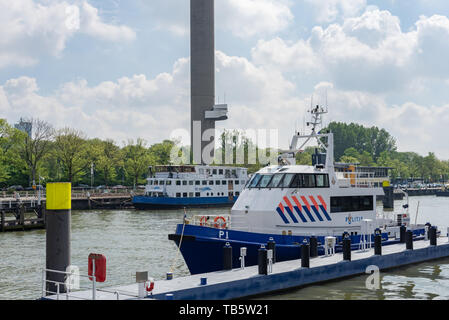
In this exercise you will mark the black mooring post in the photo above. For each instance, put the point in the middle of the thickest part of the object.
(271, 245)
(227, 257)
(409, 240)
(377, 242)
(378, 245)
(263, 260)
(433, 236)
(402, 231)
(2, 222)
(305, 254)
(347, 248)
(58, 225)
(313, 247)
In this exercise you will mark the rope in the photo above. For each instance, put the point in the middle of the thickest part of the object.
(180, 241)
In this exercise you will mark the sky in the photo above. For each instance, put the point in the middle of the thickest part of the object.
(120, 69)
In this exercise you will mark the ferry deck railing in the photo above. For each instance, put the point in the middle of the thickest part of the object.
(359, 179)
(212, 221)
(69, 293)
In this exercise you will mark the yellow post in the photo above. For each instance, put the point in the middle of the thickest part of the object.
(58, 210)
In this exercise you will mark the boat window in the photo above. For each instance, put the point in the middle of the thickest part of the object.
(191, 183)
(309, 181)
(211, 183)
(197, 194)
(178, 182)
(168, 183)
(156, 183)
(184, 183)
(264, 181)
(178, 195)
(237, 182)
(204, 183)
(161, 183)
(220, 171)
(184, 194)
(322, 181)
(217, 182)
(286, 181)
(214, 172)
(275, 181)
(352, 204)
(224, 182)
(255, 180)
(190, 194)
(197, 183)
(150, 182)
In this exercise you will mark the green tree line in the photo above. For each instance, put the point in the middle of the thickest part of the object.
(50, 155)
(66, 154)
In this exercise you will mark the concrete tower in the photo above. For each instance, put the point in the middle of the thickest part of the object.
(204, 112)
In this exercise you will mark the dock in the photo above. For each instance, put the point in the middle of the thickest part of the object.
(244, 283)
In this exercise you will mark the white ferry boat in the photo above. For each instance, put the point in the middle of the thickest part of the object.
(174, 187)
(290, 203)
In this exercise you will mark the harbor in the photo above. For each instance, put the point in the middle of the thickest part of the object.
(278, 155)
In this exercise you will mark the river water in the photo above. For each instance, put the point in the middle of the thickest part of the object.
(138, 241)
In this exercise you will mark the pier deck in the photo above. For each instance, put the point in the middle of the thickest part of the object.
(241, 283)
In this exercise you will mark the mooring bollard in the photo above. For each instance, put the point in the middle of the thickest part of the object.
(59, 205)
(169, 276)
(377, 242)
(402, 231)
(227, 257)
(263, 260)
(427, 229)
(433, 236)
(347, 248)
(271, 245)
(409, 240)
(3, 219)
(313, 247)
(203, 281)
(305, 254)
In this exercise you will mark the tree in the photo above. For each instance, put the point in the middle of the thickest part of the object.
(107, 157)
(70, 149)
(33, 148)
(137, 159)
(372, 140)
(161, 152)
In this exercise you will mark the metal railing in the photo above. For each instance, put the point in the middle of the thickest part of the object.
(212, 221)
(69, 293)
(67, 288)
(358, 179)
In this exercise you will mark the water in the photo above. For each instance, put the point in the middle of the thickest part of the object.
(138, 241)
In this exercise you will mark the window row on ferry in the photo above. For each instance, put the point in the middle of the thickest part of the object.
(290, 180)
(196, 183)
(211, 194)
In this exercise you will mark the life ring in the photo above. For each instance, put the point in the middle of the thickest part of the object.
(150, 285)
(222, 225)
(203, 220)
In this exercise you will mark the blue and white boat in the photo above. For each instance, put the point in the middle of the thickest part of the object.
(192, 186)
(291, 203)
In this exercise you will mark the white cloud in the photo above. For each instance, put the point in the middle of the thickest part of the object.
(248, 18)
(30, 30)
(329, 10)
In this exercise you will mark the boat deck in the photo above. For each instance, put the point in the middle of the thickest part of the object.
(241, 283)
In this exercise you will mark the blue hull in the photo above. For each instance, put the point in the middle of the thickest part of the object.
(166, 203)
(202, 247)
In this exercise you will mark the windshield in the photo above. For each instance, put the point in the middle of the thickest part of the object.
(263, 183)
